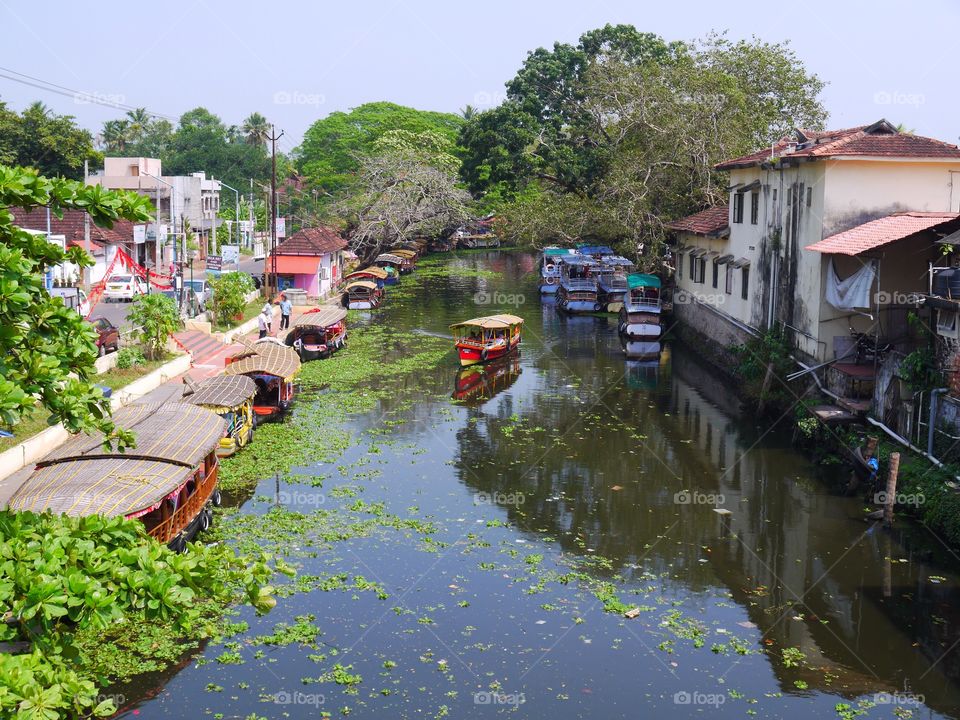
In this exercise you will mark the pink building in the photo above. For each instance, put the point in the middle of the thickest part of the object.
(311, 260)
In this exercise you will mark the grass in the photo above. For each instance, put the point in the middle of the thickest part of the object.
(117, 378)
(251, 310)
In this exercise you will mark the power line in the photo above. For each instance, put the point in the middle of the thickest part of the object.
(84, 96)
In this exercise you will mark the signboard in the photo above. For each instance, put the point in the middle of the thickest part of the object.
(139, 234)
(230, 254)
(214, 262)
(281, 227)
(246, 225)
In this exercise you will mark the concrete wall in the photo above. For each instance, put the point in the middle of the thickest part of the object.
(707, 328)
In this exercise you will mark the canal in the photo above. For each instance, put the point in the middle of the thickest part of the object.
(467, 545)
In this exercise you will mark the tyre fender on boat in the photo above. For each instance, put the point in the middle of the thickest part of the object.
(550, 267)
(483, 355)
(205, 519)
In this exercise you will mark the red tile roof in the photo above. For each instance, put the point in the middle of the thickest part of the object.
(882, 231)
(712, 221)
(71, 226)
(878, 140)
(314, 241)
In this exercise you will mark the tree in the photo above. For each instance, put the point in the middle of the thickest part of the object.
(409, 187)
(51, 144)
(229, 295)
(138, 121)
(155, 318)
(256, 129)
(47, 351)
(116, 135)
(333, 148)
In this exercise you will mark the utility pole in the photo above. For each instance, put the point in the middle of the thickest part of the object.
(273, 209)
(86, 236)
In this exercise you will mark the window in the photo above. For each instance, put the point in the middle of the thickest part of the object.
(745, 283)
(947, 323)
(693, 262)
(754, 207)
(774, 197)
(738, 207)
(809, 197)
(729, 281)
(679, 266)
(716, 273)
(699, 269)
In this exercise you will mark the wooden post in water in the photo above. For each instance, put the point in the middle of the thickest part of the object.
(891, 497)
(765, 388)
(871, 447)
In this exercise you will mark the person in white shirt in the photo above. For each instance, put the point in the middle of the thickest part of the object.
(264, 321)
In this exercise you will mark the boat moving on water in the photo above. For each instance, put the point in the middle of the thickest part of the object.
(230, 397)
(272, 367)
(318, 333)
(168, 481)
(639, 317)
(577, 292)
(486, 338)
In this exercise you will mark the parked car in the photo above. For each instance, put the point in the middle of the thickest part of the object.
(124, 287)
(108, 336)
(191, 303)
(202, 289)
(72, 297)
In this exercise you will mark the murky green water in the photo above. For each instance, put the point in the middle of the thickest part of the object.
(560, 483)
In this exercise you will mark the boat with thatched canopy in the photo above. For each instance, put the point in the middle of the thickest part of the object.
(393, 264)
(409, 257)
(230, 397)
(363, 295)
(486, 338)
(272, 367)
(373, 273)
(318, 333)
(168, 482)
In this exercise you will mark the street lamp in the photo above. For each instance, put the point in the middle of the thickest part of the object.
(236, 209)
(173, 225)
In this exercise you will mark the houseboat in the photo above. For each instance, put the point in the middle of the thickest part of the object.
(612, 282)
(409, 258)
(363, 295)
(550, 268)
(272, 367)
(230, 397)
(374, 273)
(577, 292)
(168, 482)
(478, 241)
(394, 265)
(597, 252)
(486, 338)
(639, 317)
(318, 333)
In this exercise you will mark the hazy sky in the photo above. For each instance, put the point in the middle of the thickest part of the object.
(298, 61)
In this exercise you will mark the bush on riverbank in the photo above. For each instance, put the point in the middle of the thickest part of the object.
(61, 575)
(762, 366)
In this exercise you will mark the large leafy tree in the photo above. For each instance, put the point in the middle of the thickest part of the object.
(333, 148)
(41, 139)
(47, 351)
(256, 129)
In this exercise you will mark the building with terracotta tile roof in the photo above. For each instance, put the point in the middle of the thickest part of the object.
(310, 260)
(807, 214)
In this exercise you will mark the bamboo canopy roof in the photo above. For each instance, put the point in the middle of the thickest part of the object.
(81, 477)
(491, 322)
(373, 271)
(321, 317)
(409, 254)
(362, 284)
(390, 258)
(267, 359)
(223, 391)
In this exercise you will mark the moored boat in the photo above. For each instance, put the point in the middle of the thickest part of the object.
(486, 338)
(363, 295)
(168, 482)
(612, 282)
(394, 265)
(577, 292)
(272, 367)
(639, 317)
(318, 333)
(550, 269)
(230, 397)
(409, 257)
(373, 273)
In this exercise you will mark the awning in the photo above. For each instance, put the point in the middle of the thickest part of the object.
(294, 265)
(723, 259)
(699, 252)
(741, 263)
(755, 185)
(734, 187)
(883, 231)
(713, 255)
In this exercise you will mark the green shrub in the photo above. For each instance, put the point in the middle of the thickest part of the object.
(154, 318)
(229, 295)
(130, 356)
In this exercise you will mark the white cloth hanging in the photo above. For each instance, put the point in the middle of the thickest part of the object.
(854, 292)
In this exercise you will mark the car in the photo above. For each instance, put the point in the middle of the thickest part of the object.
(125, 286)
(202, 289)
(108, 336)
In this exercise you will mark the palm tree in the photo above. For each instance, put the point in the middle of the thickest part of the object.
(116, 135)
(467, 112)
(256, 129)
(139, 121)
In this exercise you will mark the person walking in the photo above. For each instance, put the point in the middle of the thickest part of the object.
(265, 320)
(286, 307)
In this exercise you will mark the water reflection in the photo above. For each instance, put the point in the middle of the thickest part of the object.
(479, 383)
